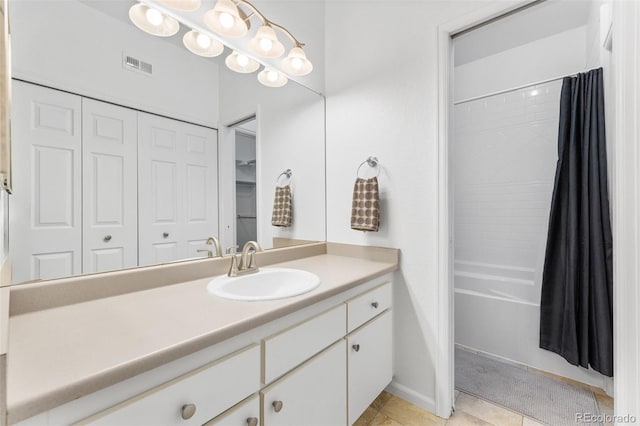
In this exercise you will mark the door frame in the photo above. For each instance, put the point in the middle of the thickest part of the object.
(626, 209)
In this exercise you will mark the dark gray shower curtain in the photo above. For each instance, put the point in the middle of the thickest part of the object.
(576, 309)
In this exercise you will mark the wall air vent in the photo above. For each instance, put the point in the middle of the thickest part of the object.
(134, 64)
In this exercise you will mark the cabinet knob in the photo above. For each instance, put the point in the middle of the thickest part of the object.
(356, 347)
(165, 234)
(277, 406)
(252, 421)
(107, 238)
(188, 411)
(375, 305)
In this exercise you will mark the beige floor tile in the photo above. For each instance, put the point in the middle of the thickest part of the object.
(366, 417)
(605, 402)
(486, 411)
(381, 400)
(460, 418)
(530, 422)
(382, 420)
(408, 414)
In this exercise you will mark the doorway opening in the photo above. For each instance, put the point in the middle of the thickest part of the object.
(246, 182)
(504, 84)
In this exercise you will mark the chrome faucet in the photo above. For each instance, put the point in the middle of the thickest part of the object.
(247, 263)
(212, 241)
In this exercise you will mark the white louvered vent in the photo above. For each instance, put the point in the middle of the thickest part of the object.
(134, 64)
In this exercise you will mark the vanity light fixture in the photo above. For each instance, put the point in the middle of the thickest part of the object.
(152, 21)
(227, 19)
(202, 45)
(266, 43)
(239, 62)
(296, 62)
(185, 5)
(272, 78)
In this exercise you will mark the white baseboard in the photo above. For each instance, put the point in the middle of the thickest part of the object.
(412, 396)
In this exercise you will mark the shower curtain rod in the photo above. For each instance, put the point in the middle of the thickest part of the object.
(513, 89)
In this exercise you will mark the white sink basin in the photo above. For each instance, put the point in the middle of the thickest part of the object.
(268, 284)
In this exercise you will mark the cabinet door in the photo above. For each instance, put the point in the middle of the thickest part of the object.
(314, 394)
(370, 363)
(45, 208)
(246, 413)
(110, 187)
(177, 188)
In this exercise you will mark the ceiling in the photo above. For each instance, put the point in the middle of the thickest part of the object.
(539, 21)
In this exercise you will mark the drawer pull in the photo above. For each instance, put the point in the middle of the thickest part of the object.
(188, 411)
(107, 238)
(375, 305)
(356, 347)
(277, 406)
(165, 234)
(252, 421)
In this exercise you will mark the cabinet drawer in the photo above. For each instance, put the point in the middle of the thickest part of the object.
(370, 363)
(247, 413)
(286, 350)
(314, 394)
(366, 306)
(212, 389)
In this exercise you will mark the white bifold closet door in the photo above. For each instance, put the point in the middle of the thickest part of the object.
(45, 208)
(177, 188)
(109, 186)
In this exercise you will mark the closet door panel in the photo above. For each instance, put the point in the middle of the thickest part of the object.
(160, 195)
(110, 229)
(201, 178)
(45, 208)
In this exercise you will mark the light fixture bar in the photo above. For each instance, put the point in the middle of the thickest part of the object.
(268, 22)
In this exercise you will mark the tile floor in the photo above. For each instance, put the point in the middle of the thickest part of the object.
(389, 410)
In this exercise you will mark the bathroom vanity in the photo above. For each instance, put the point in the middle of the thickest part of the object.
(174, 353)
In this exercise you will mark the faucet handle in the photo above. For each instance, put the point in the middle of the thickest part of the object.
(209, 252)
(251, 261)
(233, 269)
(232, 249)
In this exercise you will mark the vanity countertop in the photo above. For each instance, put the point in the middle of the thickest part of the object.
(62, 353)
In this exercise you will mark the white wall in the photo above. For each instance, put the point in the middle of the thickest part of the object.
(381, 82)
(72, 46)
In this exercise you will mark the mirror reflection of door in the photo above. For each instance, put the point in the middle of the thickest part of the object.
(246, 211)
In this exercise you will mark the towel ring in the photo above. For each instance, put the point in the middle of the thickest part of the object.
(371, 162)
(287, 174)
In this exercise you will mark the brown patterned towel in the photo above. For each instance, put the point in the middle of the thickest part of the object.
(365, 209)
(282, 207)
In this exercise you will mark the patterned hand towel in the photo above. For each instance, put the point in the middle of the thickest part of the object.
(365, 209)
(282, 207)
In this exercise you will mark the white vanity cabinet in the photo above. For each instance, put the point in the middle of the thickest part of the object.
(369, 348)
(319, 366)
(192, 399)
(314, 394)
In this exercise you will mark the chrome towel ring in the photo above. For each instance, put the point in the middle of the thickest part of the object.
(371, 162)
(288, 174)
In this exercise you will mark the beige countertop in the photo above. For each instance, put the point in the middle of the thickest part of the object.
(62, 353)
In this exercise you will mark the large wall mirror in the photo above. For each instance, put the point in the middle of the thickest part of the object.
(129, 150)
